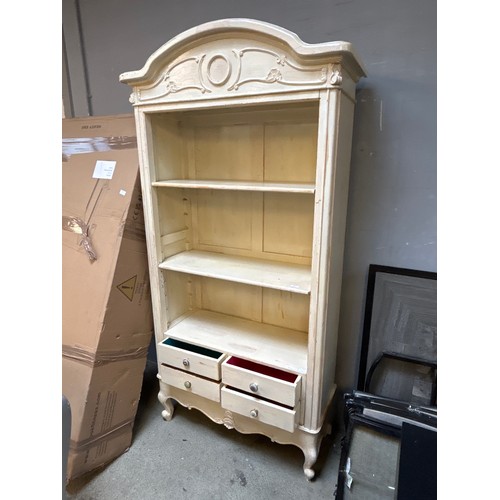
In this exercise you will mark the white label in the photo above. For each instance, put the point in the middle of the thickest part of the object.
(348, 480)
(123, 192)
(348, 477)
(104, 169)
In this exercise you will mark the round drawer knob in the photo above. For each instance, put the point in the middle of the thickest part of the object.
(185, 362)
(254, 413)
(254, 387)
(187, 384)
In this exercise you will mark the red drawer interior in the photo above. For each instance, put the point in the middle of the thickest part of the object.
(264, 370)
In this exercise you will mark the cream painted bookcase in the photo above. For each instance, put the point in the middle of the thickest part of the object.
(245, 138)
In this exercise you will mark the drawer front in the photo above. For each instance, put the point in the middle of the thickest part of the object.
(263, 411)
(191, 383)
(191, 358)
(249, 377)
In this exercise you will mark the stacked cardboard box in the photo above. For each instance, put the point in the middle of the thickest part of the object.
(107, 319)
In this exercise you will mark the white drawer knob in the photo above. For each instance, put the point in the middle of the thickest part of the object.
(254, 387)
(254, 413)
(187, 384)
(185, 362)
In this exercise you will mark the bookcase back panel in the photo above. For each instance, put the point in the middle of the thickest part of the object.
(257, 223)
(288, 224)
(266, 144)
(231, 298)
(186, 293)
(286, 309)
(290, 152)
(225, 218)
(232, 152)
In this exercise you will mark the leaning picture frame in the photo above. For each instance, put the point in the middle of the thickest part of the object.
(398, 357)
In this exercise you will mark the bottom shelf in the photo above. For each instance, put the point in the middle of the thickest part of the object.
(271, 345)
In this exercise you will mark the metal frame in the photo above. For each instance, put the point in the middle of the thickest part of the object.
(382, 415)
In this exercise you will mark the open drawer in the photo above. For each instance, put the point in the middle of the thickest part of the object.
(190, 357)
(262, 381)
(258, 409)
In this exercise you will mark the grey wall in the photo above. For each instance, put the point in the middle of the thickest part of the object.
(392, 198)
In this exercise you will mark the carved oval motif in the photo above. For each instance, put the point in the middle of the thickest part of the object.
(218, 70)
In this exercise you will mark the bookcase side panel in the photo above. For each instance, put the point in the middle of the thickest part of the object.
(321, 255)
(169, 147)
(337, 235)
(152, 227)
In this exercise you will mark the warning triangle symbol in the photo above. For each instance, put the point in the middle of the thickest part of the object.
(128, 287)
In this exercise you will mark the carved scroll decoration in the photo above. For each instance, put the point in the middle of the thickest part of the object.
(217, 69)
(170, 85)
(227, 421)
(274, 75)
(225, 77)
(336, 77)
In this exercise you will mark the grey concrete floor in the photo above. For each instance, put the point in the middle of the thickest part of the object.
(192, 457)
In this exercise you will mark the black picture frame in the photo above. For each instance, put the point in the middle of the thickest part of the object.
(375, 272)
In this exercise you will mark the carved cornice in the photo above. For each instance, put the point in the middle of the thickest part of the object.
(307, 54)
(229, 70)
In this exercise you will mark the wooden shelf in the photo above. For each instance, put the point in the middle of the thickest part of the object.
(278, 187)
(278, 275)
(271, 345)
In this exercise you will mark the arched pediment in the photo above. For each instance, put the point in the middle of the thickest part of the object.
(238, 57)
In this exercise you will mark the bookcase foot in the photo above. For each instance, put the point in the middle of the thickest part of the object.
(168, 412)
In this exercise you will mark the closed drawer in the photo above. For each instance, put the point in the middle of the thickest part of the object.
(190, 357)
(190, 383)
(270, 383)
(258, 409)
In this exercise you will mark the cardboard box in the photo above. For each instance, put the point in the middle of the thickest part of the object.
(107, 319)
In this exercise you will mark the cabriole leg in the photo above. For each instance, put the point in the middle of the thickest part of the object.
(311, 455)
(166, 401)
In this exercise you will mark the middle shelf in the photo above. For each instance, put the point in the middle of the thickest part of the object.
(275, 346)
(251, 271)
(285, 187)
